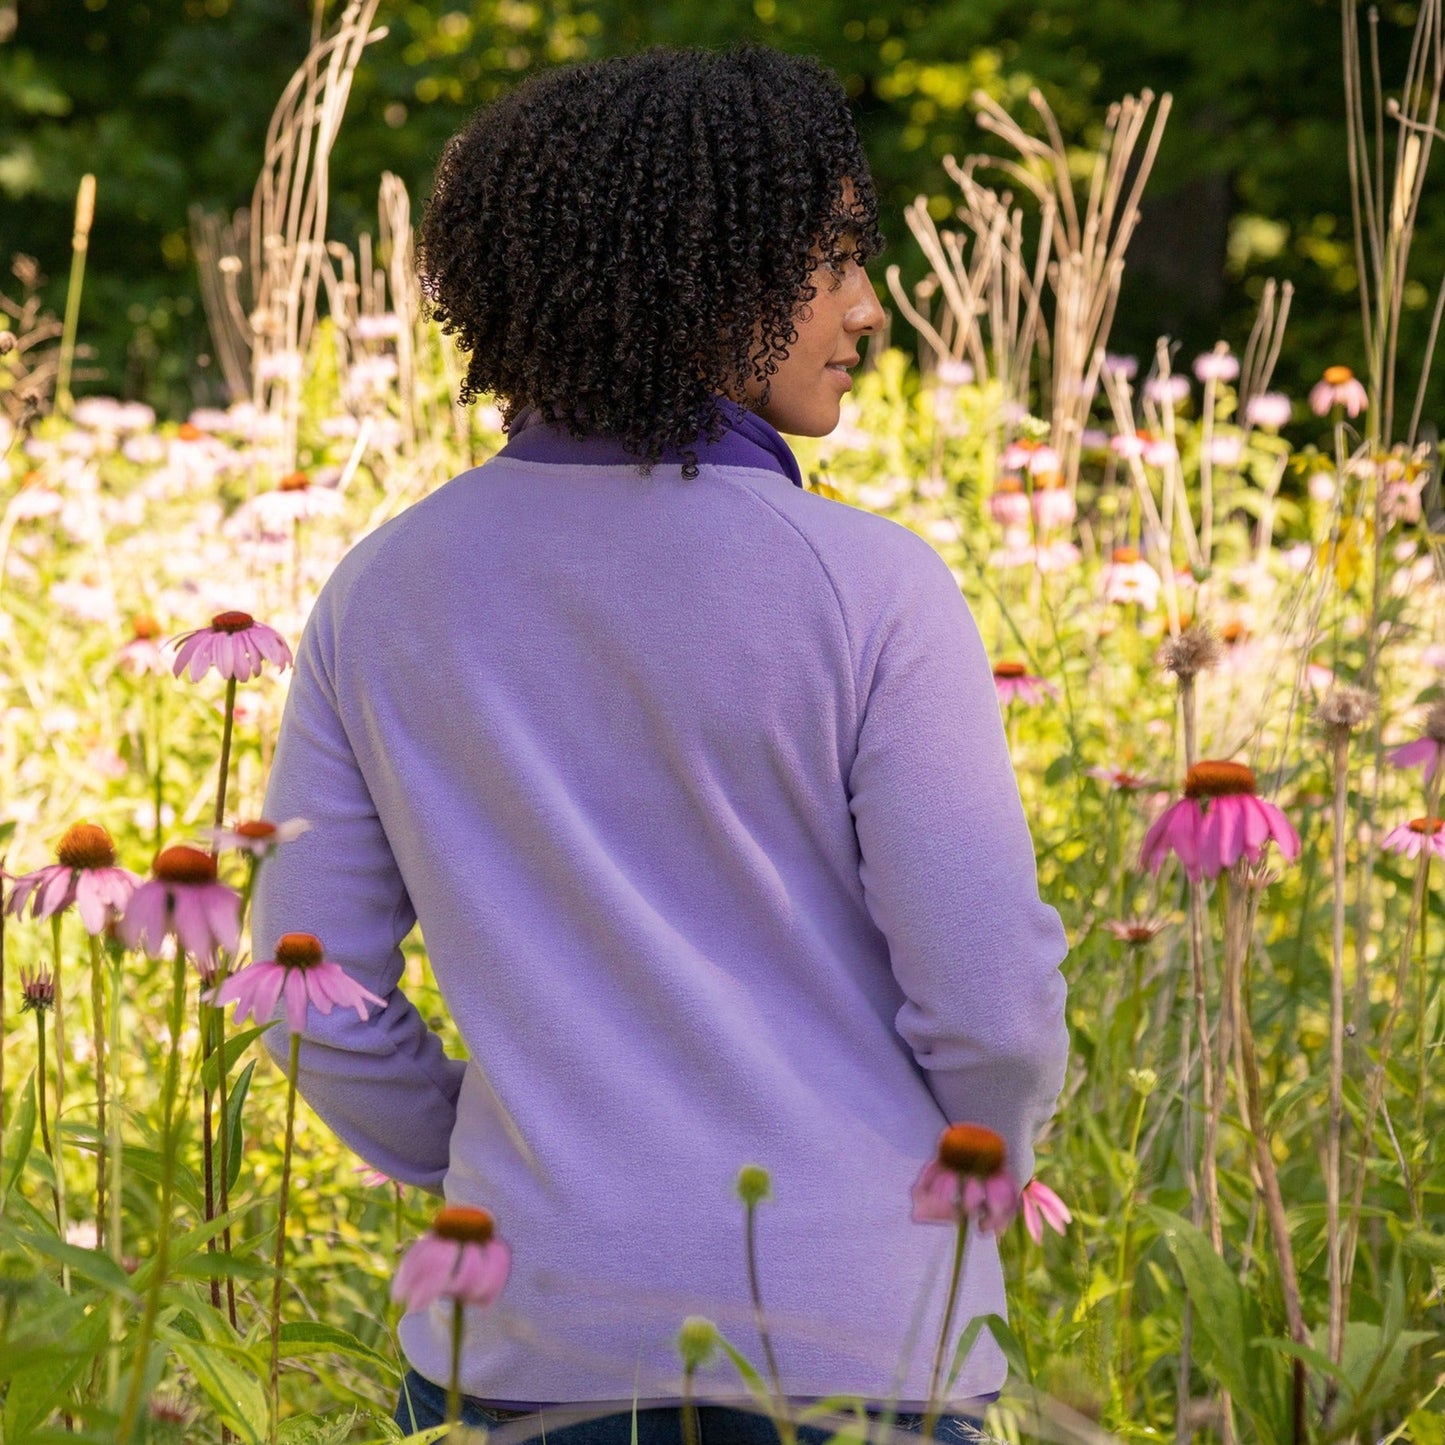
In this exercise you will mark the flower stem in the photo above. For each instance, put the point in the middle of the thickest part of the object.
(1337, 1058)
(225, 764)
(454, 1383)
(787, 1433)
(690, 1433)
(97, 1024)
(207, 1142)
(40, 1099)
(934, 1403)
(113, 1235)
(293, 1063)
(131, 1411)
(222, 1095)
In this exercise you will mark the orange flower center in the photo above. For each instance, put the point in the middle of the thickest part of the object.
(184, 865)
(189, 432)
(1009, 669)
(259, 829)
(1426, 825)
(1139, 933)
(86, 845)
(232, 622)
(463, 1224)
(295, 482)
(971, 1149)
(298, 950)
(1233, 631)
(1338, 375)
(1009, 484)
(1218, 780)
(144, 627)
(1126, 554)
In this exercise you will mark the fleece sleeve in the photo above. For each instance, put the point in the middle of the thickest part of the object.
(383, 1085)
(947, 864)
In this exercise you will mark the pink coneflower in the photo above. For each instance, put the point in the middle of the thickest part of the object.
(257, 839)
(1118, 778)
(1036, 458)
(1167, 390)
(1014, 681)
(1128, 578)
(1129, 444)
(300, 973)
(952, 372)
(372, 1178)
(182, 899)
(1338, 387)
(295, 499)
(1042, 1206)
(967, 1177)
(1218, 821)
(1409, 838)
(461, 1259)
(1270, 409)
(235, 644)
(1008, 505)
(1054, 506)
(85, 875)
(1158, 451)
(1126, 368)
(142, 654)
(1136, 932)
(1426, 751)
(1216, 365)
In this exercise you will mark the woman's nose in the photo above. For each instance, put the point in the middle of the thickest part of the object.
(866, 315)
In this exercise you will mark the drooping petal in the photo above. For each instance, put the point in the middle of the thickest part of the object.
(295, 990)
(1282, 831)
(273, 646)
(223, 914)
(1185, 834)
(144, 923)
(1231, 818)
(480, 1273)
(56, 892)
(186, 647)
(193, 932)
(1033, 1219)
(25, 885)
(1047, 1205)
(423, 1272)
(935, 1195)
(101, 893)
(1158, 841)
(262, 991)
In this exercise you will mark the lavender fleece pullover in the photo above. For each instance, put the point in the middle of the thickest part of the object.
(698, 790)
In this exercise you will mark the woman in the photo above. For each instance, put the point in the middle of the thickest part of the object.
(694, 780)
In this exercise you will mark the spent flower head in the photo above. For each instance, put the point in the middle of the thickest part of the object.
(1345, 708)
(1196, 649)
(257, 838)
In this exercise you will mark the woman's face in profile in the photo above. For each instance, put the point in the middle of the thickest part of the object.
(810, 381)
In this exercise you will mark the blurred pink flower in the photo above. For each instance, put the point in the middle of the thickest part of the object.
(1409, 838)
(142, 654)
(1014, 682)
(1008, 505)
(1216, 365)
(259, 839)
(1118, 778)
(952, 372)
(1126, 368)
(967, 1176)
(1128, 578)
(304, 977)
(183, 899)
(1338, 387)
(1035, 458)
(1217, 822)
(1136, 931)
(235, 644)
(85, 875)
(372, 1178)
(461, 1259)
(1053, 507)
(1426, 751)
(1167, 390)
(1042, 1206)
(1270, 409)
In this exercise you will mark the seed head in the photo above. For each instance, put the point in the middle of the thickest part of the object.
(458, 1222)
(1345, 709)
(300, 950)
(1009, 669)
(1338, 375)
(1195, 650)
(184, 865)
(294, 482)
(971, 1149)
(1429, 826)
(232, 622)
(86, 845)
(1213, 779)
(260, 828)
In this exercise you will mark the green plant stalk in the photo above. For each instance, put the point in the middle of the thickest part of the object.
(113, 1234)
(40, 1099)
(225, 764)
(1124, 1293)
(62, 1218)
(1422, 1004)
(222, 1096)
(454, 1381)
(293, 1064)
(787, 1433)
(691, 1434)
(2, 1025)
(1337, 1057)
(97, 1022)
(130, 1413)
(79, 246)
(930, 1418)
(203, 1023)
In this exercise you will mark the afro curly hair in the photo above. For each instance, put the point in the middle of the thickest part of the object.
(620, 242)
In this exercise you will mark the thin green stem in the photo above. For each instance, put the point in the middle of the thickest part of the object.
(293, 1063)
(787, 1433)
(97, 1024)
(130, 1414)
(690, 1433)
(454, 1382)
(113, 1234)
(227, 727)
(934, 1404)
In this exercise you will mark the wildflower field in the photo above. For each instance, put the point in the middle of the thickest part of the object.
(1217, 615)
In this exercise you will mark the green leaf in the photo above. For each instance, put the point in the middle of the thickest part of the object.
(754, 1381)
(86, 1264)
(310, 1337)
(235, 1135)
(204, 1265)
(235, 1046)
(1008, 1342)
(19, 1137)
(317, 1429)
(961, 1352)
(236, 1393)
(148, 1164)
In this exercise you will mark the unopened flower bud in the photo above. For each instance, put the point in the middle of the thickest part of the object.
(754, 1184)
(696, 1341)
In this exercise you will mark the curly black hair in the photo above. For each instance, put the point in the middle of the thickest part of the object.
(618, 243)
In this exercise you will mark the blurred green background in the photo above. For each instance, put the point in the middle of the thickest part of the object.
(167, 101)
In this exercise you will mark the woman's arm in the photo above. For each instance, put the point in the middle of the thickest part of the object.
(948, 867)
(384, 1086)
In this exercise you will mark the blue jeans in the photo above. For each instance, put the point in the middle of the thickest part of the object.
(423, 1404)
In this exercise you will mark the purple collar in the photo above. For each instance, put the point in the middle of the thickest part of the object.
(748, 442)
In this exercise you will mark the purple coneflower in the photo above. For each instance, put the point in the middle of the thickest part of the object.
(967, 1176)
(461, 1259)
(1124, 781)
(952, 372)
(1217, 365)
(1128, 578)
(142, 654)
(1008, 505)
(300, 973)
(1409, 838)
(258, 838)
(1054, 506)
(183, 899)
(85, 875)
(1014, 681)
(1218, 821)
(1426, 751)
(1167, 390)
(1270, 409)
(1338, 387)
(235, 644)
(1126, 368)
(1042, 1206)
